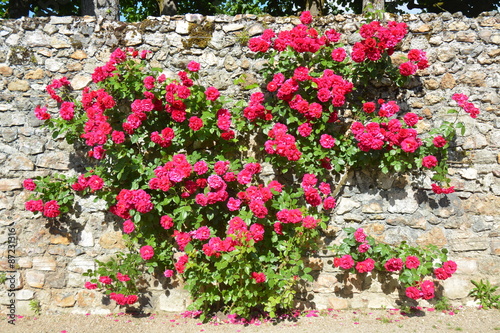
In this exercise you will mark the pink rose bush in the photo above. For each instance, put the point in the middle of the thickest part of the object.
(165, 156)
(360, 253)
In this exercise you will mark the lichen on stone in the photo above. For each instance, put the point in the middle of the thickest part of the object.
(21, 55)
(199, 35)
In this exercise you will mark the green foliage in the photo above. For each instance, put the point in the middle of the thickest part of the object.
(185, 173)
(36, 307)
(3, 278)
(442, 304)
(484, 292)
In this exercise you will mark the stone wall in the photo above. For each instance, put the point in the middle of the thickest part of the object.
(465, 57)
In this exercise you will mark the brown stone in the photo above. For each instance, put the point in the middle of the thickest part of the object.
(448, 81)
(466, 37)
(482, 205)
(60, 239)
(431, 84)
(58, 160)
(112, 240)
(423, 28)
(427, 112)
(19, 85)
(19, 162)
(85, 298)
(35, 75)
(79, 55)
(475, 79)
(10, 184)
(80, 81)
(495, 247)
(494, 53)
(372, 208)
(74, 67)
(35, 279)
(5, 70)
(325, 283)
(338, 303)
(65, 300)
(434, 237)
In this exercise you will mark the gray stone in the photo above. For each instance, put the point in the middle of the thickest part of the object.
(346, 205)
(36, 38)
(182, 27)
(24, 295)
(44, 263)
(175, 301)
(80, 81)
(61, 20)
(57, 160)
(35, 279)
(233, 27)
(81, 265)
(132, 38)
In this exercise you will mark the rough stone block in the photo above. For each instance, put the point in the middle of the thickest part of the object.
(44, 263)
(35, 279)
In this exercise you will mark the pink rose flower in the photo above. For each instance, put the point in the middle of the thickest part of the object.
(147, 252)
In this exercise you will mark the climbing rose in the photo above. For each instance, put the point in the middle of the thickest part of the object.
(450, 267)
(259, 277)
(128, 226)
(105, 280)
(346, 262)
(193, 66)
(306, 17)
(29, 184)
(365, 266)
(168, 273)
(394, 265)
(412, 262)
(212, 94)
(413, 293)
(51, 209)
(147, 252)
(439, 141)
(90, 286)
(429, 161)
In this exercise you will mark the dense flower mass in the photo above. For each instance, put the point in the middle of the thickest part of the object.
(174, 162)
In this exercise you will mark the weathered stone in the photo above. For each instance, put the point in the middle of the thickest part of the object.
(456, 287)
(174, 302)
(232, 27)
(482, 205)
(57, 160)
(182, 27)
(10, 184)
(61, 20)
(495, 246)
(423, 28)
(372, 208)
(81, 265)
(316, 264)
(64, 299)
(435, 236)
(35, 279)
(346, 205)
(466, 266)
(53, 64)
(338, 303)
(79, 55)
(44, 263)
(24, 295)
(80, 81)
(25, 263)
(446, 54)
(112, 240)
(60, 239)
(132, 37)
(447, 81)
(19, 162)
(6, 70)
(431, 84)
(85, 298)
(86, 238)
(19, 85)
(469, 243)
(475, 79)
(37, 74)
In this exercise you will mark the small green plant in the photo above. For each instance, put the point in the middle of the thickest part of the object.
(3, 277)
(484, 293)
(36, 307)
(443, 304)
(385, 320)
